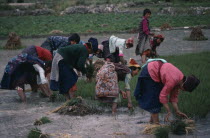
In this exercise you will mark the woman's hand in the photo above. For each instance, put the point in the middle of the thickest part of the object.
(181, 114)
(124, 95)
(166, 119)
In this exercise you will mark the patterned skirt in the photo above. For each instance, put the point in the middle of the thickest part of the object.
(106, 81)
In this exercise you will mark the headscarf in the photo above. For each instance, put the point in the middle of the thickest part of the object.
(190, 83)
(133, 63)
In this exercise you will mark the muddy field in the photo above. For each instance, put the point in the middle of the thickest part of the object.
(16, 119)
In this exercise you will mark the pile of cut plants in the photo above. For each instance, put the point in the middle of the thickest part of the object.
(176, 127)
(196, 35)
(37, 133)
(41, 121)
(78, 107)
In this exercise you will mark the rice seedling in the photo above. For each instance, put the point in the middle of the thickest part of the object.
(45, 120)
(41, 121)
(53, 97)
(34, 133)
(162, 132)
(178, 127)
(42, 95)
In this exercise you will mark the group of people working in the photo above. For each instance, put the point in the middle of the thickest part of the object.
(54, 66)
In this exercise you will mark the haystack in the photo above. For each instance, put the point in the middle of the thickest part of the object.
(13, 41)
(56, 32)
(165, 26)
(197, 34)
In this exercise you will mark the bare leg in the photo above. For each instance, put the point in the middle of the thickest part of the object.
(70, 95)
(143, 59)
(67, 96)
(114, 108)
(34, 88)
(21, 94)
(155, 118)
(45, 89)
(150, 121)
(72, 91)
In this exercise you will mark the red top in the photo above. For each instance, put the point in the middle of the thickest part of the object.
(43, 54)
(170, 76)
(145, 26)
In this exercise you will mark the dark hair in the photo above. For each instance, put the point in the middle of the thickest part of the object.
(48, 64)
(161, 39)
(74, 37)
(155, 43)
(129, 45)
(146, 11)
(89, 46)
(190, 83)
(94, 43)
(134, 68)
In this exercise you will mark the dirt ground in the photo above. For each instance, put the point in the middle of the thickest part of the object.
(16, 119)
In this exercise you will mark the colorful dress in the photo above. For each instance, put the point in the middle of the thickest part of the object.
(20, 71)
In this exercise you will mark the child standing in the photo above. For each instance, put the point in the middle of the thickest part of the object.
(144, 32)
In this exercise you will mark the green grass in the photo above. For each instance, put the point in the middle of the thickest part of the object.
(45, 120)
(196, 103)
(162, 132)
(193, 104)
(90, 23)
(178, 127)
(34, 133)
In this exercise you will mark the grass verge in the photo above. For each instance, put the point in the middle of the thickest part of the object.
(90, 23)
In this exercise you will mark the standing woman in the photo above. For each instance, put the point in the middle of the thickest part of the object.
(157, 81)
